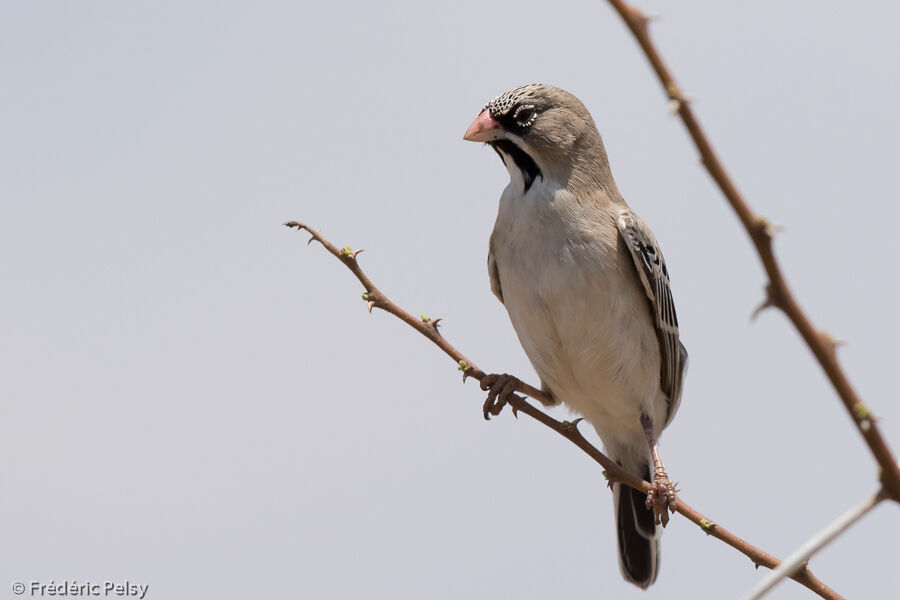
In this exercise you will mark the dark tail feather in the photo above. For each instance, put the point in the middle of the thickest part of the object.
(638, 545)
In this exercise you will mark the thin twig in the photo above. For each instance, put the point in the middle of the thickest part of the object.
(569, 430)
(761, 231)
(817, 542)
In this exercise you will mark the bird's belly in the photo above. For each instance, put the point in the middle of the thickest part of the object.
(585, 329)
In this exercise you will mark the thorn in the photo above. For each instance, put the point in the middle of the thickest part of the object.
(674, 106)
(767, 303)
(636, 15)
(436, 321)
(371, 304)
(465, 368)
(767, 227)
(570, 425)
(515, 411)
(353, 256)
(298, 226)
(652, 16)
(829, 341)
(673, 91)
(756, 566)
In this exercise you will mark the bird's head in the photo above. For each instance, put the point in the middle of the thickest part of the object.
(542, 131)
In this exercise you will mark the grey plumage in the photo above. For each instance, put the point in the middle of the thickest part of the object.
(654, 276)
(587, 291)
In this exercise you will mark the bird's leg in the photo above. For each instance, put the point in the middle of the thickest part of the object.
(662, 491)
(499, 389)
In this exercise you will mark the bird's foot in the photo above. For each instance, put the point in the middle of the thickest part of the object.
(499, 389)
(661, 497)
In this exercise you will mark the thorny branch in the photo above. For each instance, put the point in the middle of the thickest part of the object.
(569, 430)
(761, 231)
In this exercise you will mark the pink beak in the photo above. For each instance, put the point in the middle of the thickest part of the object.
(484, 128)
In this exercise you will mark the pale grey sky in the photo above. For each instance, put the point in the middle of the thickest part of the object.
(195, 400)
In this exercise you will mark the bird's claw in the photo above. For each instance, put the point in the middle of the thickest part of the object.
(661, 497)
(499, 389)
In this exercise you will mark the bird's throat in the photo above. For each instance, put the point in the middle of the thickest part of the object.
(508, 150)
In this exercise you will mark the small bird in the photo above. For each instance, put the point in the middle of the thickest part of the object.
(587, 290)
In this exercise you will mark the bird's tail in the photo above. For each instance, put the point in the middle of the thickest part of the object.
(637, 537)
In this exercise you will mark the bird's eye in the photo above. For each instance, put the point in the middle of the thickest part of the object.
(525, 115)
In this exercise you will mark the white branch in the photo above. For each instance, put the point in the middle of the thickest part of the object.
(795, 561)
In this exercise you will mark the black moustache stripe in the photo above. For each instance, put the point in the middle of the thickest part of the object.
(525, 163)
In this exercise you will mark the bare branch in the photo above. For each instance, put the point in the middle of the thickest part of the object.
(761, 234)
(568, 430)
(796, 560)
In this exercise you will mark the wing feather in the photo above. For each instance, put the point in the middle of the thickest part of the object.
(651, 271)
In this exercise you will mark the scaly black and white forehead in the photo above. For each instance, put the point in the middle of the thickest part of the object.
(503, 103)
